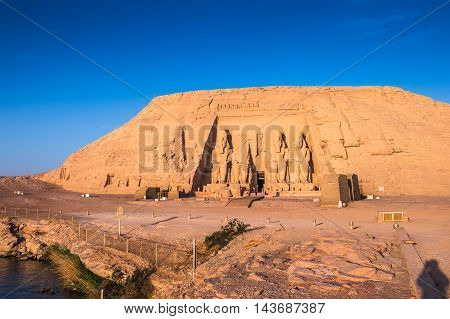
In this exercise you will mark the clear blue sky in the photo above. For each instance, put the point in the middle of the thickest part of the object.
(52, 101)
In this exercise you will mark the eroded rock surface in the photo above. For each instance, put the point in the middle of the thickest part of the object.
(329, 266)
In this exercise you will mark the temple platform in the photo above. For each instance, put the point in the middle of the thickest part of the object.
(302, 193)
(231, 190)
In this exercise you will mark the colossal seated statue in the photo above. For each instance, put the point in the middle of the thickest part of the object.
(305, 164)
(221, 158)
(301, 166)
(278, 159)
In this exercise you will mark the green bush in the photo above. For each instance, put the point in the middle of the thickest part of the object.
(73, 272)
(227, 233)
(85, 283)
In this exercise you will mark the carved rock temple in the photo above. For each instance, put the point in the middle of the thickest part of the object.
(249, 158)
(334, 142)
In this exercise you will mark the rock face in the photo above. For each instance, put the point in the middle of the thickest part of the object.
(395, 141)
(340, 260)
(334, 264)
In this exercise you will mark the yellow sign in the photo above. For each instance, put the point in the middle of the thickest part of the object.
(119, 213)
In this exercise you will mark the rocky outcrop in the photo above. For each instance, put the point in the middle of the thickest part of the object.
(28, 240)
(397, 142)
(19, 240)
(8, 240)
(340, 260)
(335, 265)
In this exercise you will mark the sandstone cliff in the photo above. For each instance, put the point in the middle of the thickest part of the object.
(397, 142)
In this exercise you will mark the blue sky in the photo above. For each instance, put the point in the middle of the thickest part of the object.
(52, 101)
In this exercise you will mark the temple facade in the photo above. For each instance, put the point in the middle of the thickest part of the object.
(275, 141)
(276, 161)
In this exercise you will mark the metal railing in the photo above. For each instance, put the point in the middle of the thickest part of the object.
(156, 253)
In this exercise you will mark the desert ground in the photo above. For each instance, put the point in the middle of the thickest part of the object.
(283, 255)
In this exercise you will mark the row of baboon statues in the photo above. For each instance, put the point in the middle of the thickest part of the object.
(281, 167)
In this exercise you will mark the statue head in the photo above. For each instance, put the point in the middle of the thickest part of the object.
(222, 140)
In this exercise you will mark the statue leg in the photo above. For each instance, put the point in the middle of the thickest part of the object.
(282, 172)
(274, 172)
(304, 173)
(244, 173)
(298, 177)
(223, 173)
(236, 173)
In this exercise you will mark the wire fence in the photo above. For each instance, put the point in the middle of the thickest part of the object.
(156, 253)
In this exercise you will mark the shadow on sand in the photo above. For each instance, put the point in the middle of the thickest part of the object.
(441, 282)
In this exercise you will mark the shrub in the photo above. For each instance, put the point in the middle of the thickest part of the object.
(227, 233)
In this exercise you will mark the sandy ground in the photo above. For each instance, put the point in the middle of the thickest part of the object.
(289, 218)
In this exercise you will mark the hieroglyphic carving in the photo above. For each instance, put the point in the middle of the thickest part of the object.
(237, 106)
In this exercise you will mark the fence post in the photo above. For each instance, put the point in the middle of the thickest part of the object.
(48, 215)
(101, 294)
(79, 231)
(351, 225)
(127, 244)
(37, 213)
(104, 239)
(140, 250)
(156, 255)
(72, 220)
(194, 257)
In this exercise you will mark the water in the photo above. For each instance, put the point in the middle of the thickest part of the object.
(29, 280)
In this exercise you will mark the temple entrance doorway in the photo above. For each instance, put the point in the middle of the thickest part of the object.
(260, 181)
